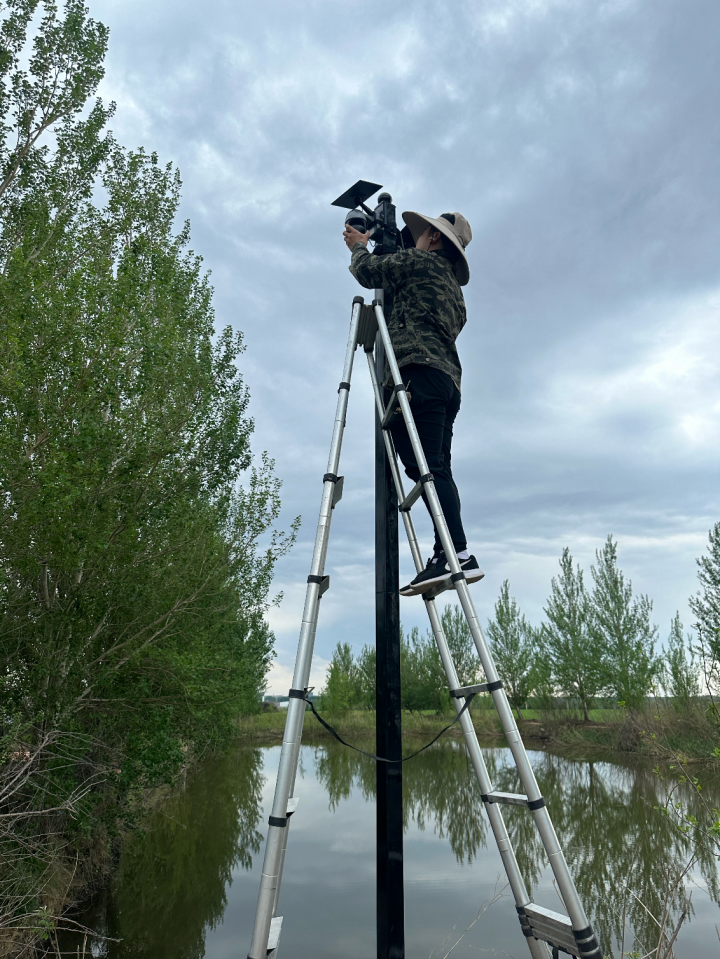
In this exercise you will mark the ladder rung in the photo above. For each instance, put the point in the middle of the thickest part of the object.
(392, 409)
(439, 588)
(411, 497)
(274, 937)
(510, 799)
(469, 690)
(292, 804)
(552, 927)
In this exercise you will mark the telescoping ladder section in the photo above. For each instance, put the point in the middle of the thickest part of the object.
(543, 928)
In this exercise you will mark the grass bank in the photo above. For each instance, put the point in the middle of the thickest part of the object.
(659, 733)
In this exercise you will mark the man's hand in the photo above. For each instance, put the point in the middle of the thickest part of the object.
(352, 236)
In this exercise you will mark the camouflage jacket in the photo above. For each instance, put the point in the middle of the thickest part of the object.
(428, 307)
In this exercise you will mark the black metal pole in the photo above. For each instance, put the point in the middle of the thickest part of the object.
(390, 895)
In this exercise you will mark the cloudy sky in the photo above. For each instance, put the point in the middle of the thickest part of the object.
(581, 140)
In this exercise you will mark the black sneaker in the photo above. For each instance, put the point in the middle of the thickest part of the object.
(437, 573)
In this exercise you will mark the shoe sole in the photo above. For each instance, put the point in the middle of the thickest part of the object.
(441, 583)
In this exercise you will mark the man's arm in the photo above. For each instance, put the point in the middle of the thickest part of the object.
(374, 272)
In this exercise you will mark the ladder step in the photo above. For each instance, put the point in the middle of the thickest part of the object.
(470, 690)
(292, 804)
(411, 497)
(274, 937)
(392, 410)
(436, 590)
(552, 927)
(510, 799)
(439, 588)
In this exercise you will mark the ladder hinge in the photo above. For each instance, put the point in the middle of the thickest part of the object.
(367, 328)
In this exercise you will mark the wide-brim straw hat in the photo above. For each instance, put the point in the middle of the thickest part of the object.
(452, 225)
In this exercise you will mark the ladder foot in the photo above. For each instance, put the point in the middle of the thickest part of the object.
(556, 930)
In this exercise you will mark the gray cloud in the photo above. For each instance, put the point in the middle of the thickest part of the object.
(580, 140)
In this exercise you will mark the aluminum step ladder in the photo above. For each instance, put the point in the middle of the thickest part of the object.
(547, 932)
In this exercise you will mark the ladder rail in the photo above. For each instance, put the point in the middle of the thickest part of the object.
(544, 825)
(394, 468)
(279, 822)
(538, 949)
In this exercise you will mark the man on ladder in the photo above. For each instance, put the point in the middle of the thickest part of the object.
(428, 315)
(420, 339)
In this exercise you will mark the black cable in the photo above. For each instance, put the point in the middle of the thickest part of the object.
(380, 759)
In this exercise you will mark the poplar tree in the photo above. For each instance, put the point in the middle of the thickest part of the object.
(422, 678)
(577, 662)
(705, 605)
(342, 688)
(461, 645)
(513, 645)
(133, 587)
(680, 678)
(619, 623)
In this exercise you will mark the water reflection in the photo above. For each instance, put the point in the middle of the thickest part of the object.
(173, 883)
(171, 886)
(439, 789)
(620, 844)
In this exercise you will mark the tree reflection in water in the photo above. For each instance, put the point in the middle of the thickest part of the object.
(172, 880)
(620, 845)
(438, 786)
(172, 883)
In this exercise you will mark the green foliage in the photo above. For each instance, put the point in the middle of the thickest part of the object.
(705, 605)
(133, 588)
(366, 663)
(681, 675)
(422, 678)
(620, 624)
(513, 644)
(577, 663)
(342, 688)
(351, 680)
(461, 645)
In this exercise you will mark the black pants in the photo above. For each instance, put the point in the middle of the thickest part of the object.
(434, 401)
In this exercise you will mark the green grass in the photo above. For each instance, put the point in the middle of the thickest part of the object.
(658, 732)
(269, 726)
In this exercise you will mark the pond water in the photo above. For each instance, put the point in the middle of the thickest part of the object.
(187, 888)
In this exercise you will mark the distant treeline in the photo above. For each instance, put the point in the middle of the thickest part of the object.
(596, 646)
